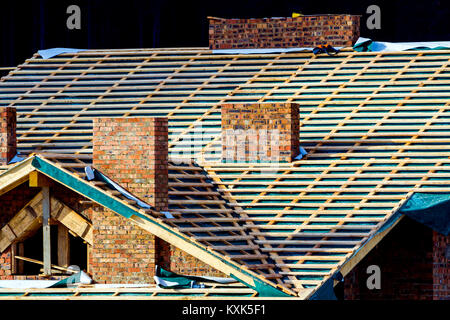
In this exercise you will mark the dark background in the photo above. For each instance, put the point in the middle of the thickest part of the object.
(27, 26)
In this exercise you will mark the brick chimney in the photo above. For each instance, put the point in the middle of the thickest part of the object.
(133, 152)
(339, 30)
(260, 132)
(8, 138)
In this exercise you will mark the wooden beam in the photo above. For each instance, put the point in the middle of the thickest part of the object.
(37, 179)
(72, 221)
(15, 176)
(25, 222)
(63, 246)
(46, 230)
(20, 252)
(42, 263)
(28, 220)
(14, 266)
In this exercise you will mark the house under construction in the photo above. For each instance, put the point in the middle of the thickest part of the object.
(122, 160)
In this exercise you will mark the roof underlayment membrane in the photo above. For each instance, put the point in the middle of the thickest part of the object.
(375, 125)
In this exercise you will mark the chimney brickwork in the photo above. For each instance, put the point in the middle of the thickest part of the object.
(441, 266)
(260, 132)
(8, 138)
(133, 152)
(304, 31)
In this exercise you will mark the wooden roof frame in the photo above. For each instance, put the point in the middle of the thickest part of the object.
(29, 218)
(352, 105)
(20, 172)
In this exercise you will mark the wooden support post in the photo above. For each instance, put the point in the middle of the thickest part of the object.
(46, 230)
(16, 264)
(41, 263)
(63, 246)
(20, 252)
(88, 253)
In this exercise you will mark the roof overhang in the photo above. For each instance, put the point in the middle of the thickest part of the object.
(16, 175)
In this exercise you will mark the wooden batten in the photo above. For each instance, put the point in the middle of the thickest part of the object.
(373, 124)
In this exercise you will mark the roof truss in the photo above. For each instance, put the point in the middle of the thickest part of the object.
(29, 219)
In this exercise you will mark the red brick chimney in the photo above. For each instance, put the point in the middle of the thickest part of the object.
(339, 30)
(260, 132)
(8, 138)
(133, 152)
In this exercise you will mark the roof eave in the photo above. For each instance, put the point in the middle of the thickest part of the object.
(16, 175)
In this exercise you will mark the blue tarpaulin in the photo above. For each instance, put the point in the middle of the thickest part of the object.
(301, 154)
(430, 209)
(16, 158)
(53, 52)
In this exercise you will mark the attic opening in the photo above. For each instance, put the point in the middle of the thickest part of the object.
(67, 250)
(39, 233)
